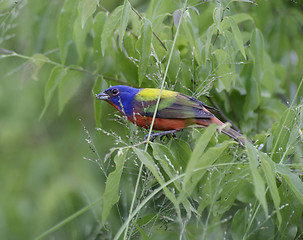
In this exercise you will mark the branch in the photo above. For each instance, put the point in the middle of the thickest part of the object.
(9, 53)
(140, 17)
(155, 34)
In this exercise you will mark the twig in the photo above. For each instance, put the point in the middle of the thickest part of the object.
(215, 37)
(155, 34)
(100, 75)
(104, 9)
(80, 69)
(92, 147)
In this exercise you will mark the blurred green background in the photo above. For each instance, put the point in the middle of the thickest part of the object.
(44, 176)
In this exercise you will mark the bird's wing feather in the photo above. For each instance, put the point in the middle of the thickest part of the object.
(172, 105)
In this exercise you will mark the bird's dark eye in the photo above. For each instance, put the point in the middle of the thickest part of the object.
(115, 91)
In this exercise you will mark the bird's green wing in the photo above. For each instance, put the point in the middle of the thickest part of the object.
(172, 105)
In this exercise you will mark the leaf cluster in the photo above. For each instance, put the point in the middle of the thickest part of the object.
(240, 54)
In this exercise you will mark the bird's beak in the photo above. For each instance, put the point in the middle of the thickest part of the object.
(102, 96)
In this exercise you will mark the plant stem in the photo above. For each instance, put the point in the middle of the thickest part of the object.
(289, 109)
(153, 119)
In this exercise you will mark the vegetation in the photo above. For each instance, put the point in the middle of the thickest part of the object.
(240, 56)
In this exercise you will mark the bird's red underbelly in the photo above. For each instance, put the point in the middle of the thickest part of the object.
(163, 124)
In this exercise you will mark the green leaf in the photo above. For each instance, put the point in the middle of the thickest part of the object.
(231, 57)
(64, 31)
(144, 48)
(167, 160)
(157, 8)
(68, 86)
(143, 234)
(56, 75)
(198, 151)
(237, 35)
(109, 27)
(32, 66)
(143, 220)
(205, 162)
(88, 9)
(217, 17)
(233, 181)
(239, 224)
(186, 74)
(269, 81)
(111, 193)
(210, 32)
(291, 211)
(293, 181)
(182, 152)
(242, 17)
(258, 182)
(253, 97)
(98, 25)
(99, 85)
(135, 23)
(283, 135)
(218, 184)
(147, 160)
(257, 51)
(124, 21)
(194, 160)
(248, 1)
(197, 50)
(174, 66)
(80, 34)
(223, 71)
(268, 167)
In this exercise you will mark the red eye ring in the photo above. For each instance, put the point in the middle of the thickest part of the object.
(115, 91)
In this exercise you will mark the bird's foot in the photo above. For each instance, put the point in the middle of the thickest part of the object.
(160, 134)
(150, 138)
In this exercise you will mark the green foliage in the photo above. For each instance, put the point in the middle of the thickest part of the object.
(111, 192)
(109, 27)
(257, 179)
(243, 56)
(66, 19)
(192, 178)
(55, 77)
(144, 47)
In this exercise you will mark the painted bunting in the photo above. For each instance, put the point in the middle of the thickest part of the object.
(175, 111)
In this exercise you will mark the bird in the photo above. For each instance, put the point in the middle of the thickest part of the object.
(175, 112)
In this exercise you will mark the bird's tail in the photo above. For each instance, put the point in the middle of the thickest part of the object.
(235, 135)
(226, 130)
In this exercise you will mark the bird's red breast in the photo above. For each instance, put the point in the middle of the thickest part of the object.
(162, 124)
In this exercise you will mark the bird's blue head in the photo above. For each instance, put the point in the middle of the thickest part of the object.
(120, 97)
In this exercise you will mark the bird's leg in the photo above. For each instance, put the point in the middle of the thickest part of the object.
(150, 139)
(154, 135)
(173, 134)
